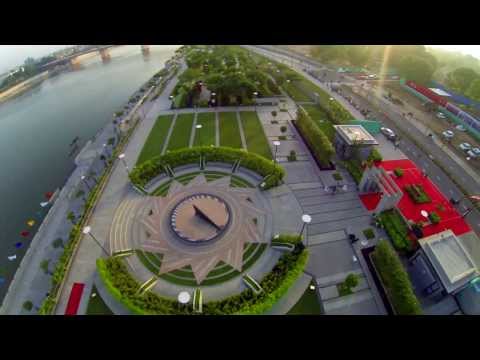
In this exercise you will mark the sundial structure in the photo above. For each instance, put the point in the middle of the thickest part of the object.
(200, 224)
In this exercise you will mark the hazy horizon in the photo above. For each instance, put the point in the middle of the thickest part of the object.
(14, 55)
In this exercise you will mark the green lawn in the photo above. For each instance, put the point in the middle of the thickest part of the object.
(181, 132)
(96, 305)
(154, 144)
(206, 135)
(308, 304)
(254, 135)
(294, 93)
(318, 115)
(229, 131)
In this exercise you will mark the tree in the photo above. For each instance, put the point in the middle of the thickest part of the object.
(473, 91)
(28, 305)
(71, 217)
(44, 266)
(416, 69)
(111, 141)
(58, 243)
(461, 79)
(351, 280)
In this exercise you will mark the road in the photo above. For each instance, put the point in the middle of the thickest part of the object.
(426, 156)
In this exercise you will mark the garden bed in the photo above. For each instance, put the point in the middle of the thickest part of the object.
(417, 194)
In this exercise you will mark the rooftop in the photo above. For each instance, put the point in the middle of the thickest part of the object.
(355, 134)
(440, 92)
(451, 261)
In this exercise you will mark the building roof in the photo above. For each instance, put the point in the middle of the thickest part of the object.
(355, 134)
(449, 258)
(440, 92)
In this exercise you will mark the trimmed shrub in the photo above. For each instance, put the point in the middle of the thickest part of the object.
(146, 171)
(417, 194)
(396, 229)
(292, 156)
(434, 217)
(283, 128)
(369, 233)
(317, 140)
(395, 279)
(355, 169)
(398, 172)
(337, 176)
(374, 155)
(124, 288)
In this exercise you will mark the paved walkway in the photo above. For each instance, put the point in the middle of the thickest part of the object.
(84, 265)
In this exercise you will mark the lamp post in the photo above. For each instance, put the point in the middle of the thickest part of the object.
(106, 150)
(255, 94)
(277, 144)
(214, 100)
(171, 99)
(306, 219)
(84, 179)
(122, 157)
(88, 230)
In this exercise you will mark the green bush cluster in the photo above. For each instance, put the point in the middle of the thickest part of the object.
(292, 156)
(320, 144)
(123, 287)
(395, 279)
(396, 229)
(417, 194)
(146, 171)
(398, 172)
(434, 217)
(374, 156)
(369, 233)
(355, 169)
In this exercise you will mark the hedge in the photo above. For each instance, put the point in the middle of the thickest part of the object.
(396, 229)
(124, 288)
(148, 170)
(417, 194)
(374, 155)
(355, 169)
(317, 140)
(395, 279)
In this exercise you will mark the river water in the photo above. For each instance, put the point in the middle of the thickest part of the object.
(36, 130)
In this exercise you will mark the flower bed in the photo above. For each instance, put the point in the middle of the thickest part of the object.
(148, 170)
(417, 194)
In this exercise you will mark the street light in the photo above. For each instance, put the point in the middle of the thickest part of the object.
(88, 230)
(122, 157)
(277, 144)
(306, 219)
(255, 94)
(84, 179)
(199, 126)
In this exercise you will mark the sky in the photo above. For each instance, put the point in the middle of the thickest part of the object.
(14, 55)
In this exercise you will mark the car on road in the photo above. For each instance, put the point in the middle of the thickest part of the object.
(465, 146)
(389, 134)
(441, 115)
(460, 128)
(448, 134)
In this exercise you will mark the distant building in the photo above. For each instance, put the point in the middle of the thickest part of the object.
(353, 139)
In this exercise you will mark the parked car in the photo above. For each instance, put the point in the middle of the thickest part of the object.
(389, 134)
(476, 151)
(441, 115)
(460, 128)
(448, 134)
(465, 146)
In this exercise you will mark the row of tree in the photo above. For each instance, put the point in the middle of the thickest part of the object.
(30, 68)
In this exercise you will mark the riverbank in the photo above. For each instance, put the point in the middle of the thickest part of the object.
(23, 86)
(29, 282)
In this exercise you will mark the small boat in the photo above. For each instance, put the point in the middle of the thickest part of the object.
(74, 140)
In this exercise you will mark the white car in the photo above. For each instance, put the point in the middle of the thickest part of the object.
(476, 151)
(460, 128)
(441, 115)
(465, 146)
(390, 135)
(448, 134)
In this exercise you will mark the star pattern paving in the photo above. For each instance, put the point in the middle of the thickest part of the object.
(228, 248)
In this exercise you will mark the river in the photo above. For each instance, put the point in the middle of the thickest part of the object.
(36, 130)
